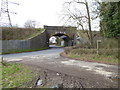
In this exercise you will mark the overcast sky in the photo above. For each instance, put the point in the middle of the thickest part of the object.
(47, 12)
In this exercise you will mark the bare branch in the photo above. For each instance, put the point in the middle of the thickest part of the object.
(80, 18)
(77, 1)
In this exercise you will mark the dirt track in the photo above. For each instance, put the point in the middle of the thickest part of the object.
(61, 80)
(68, 73)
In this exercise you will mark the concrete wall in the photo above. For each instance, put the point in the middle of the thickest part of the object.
(35, 43)
(40, 41)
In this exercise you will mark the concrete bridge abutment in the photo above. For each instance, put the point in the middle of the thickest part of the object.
(66, 33)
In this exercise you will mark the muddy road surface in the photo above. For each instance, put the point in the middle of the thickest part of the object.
(69, 72)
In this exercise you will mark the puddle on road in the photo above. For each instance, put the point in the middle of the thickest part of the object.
(70, 62)
(98, 69)
(26, 56)
(36, 57)
(99, 66)
(9, 60)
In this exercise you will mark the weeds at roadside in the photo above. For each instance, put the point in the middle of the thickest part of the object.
(94, 57)
(15, 75)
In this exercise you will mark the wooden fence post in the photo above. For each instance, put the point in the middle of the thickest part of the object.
(1, 60)
(98, 41)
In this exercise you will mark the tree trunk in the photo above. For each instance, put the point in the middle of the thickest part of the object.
(89, 24)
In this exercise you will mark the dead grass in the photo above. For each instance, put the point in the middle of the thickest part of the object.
(109, 56)
(92, 58)
(97, 58)
(19, 33)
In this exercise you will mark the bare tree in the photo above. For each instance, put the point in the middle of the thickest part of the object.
(82, 19)
(31, 24)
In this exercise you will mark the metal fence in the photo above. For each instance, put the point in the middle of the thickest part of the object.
(11, 45)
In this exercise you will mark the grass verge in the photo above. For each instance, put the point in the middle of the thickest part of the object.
(26, 50)
(32, 35)
(13, 33)
(93, 58)
(15, 75)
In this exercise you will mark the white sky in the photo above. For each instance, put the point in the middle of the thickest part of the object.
(47, 12)
(44, 11)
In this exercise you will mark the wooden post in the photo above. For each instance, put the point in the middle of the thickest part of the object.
(1, 60)
(98, 41)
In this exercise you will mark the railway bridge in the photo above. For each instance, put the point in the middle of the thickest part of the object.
(68, 34)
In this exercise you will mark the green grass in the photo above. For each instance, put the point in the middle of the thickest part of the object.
(15, 75)
(26, 50)
(95, 57)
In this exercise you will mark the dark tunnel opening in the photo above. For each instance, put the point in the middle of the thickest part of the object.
(60, 39)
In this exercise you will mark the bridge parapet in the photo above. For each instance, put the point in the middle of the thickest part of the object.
(51, 30)
(69, 32)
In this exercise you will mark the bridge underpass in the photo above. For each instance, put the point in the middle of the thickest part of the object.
(41, 41)
(66, 33)
(62, 39)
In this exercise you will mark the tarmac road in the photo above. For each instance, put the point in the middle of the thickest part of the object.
(94, 74)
